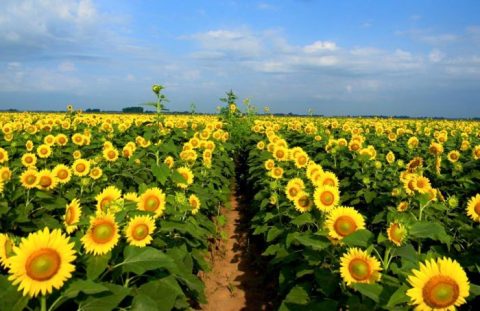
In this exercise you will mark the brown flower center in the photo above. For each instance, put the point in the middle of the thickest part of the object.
(344, 225)
(140, 232)
(80, 167)
(45, 181)
(103, 232)
(359, 269)
(327, 198)
(440, 292)
(43, 264)
(152, 203)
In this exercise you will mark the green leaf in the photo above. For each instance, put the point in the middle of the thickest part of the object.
(11, 299)
(105, 301)
(398, 297)
(139, 260)
(312, 241)
(407, 252)
(474, 290)
(361, 238)
(371, 291)
(297, 295)
(96, 265)
(86, 286)
(432, 230)
(273, 233)
(369, 196)
(305, 218)
(161, 294)
(161, 172)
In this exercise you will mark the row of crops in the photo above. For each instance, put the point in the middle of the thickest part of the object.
(366, 214)
(103, 212)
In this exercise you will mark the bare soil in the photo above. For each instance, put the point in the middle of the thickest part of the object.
(235, 281)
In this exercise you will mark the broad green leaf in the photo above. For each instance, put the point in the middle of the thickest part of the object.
(105, 301)
(163, 293)
(96, 265)
(161, 172)
(86, 286)
(312, 241)
(398, 297)
(372, 291)
(361, 238)
(432, 230)
(10, 298)
(139, 260)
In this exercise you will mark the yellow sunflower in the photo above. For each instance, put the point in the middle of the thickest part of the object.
(6, 249)
(422, 184)
(302, 202)
(131, 196)
(63, 173)
(293, 188)
(110, 154)
(476, 152)
(3, 155)
(152, 200)
(453, 156)
(276, 172)
(72, 216)
(402, 206)
(195, 203)
(42, 262)
(440, 284)
(29, 159)
(326, 197)
(29, 179)
(269, 164)
(46, 180)
(102, 235)
(5, 174)
(139, 230)
(313, 169)
(357, 266)
(343, 221)
(473, 208)
(44, 151)
(187, 175)
(61, 139)
(327, 179)
(77, 154)
(396, 233)
(169, 161)
(96, 173)
(81, 167)
(301, 159)
(106, 197)
(390, 157)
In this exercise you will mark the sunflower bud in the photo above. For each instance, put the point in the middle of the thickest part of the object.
(157, 88)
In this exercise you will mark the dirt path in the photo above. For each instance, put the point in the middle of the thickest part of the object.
(235, 283)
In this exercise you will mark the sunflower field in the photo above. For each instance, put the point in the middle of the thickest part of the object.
(118, 212)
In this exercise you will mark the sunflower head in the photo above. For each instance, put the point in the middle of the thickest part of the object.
(139, 230)
(357, 266)
(108, 196)
(152, 200)
(473, 208)
(293, 188)
(102, 235)
(343, 221)
(195, 203)
(63, 173)
(440, 284)
(46, 180)
(326, 197)
(302, 202)
(6, 249)
(397, 233)
(187, 176)
(81, 167)
(72, 216)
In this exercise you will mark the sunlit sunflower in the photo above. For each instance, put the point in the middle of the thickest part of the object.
(302, 202)
(3, 155)
(473, 208)
(63, 173)
(326, 198)
(187, 176)
(453, 156)
(435, 148)
(327, 179)
(390, 157)
(396, 233)
(110, 154)
(29, 179)
(72, 216)
(476, 152)
(29, 145)
(357, 266)
(77, 154)
(81, 167)
(440, 284)
(102, 235)
(343, 221)
(42, 262)
(152, 200)
(402, 206)
(195, 203)
(139, 230)
(269, 164)
(61, 139)
(44, 151)
(293, 188)
(276, 172)
(422, 184)
(106, 197)
(5, 174)
(46, 180)
(313, 169)
(96, 173)
(29, 159)
(6, 249)
(409, 184)
(301, 159)
(131, 196)
(169, 161)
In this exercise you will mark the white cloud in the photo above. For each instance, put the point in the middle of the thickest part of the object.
(66, 67)
(436, 56)
(320, 46)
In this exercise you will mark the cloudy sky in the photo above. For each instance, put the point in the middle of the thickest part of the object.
(352, 57)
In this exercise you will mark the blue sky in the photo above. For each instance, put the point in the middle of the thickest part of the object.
(391, 57)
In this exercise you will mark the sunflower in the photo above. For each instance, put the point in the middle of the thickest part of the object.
(187, 176)
(357, 266)
(5, 174)
(72, 216)
(302, 202)
(422, 184)
(440, 284)
(29, 145)
(327, 179)
(78, 139)
(390, 157)
(453, 156)
(276, 172)
(81, 167)
(61, 139)
(131, 196)
(44, 151)
(46, 180)
(106, 197)
(169, 161)
(473, 208)
(152, 200)
(293, 188)
(29, 179)
(409, 184)
(476, 152)
(110, 154)
(280, 153)
(313, 169)
(42, 261)
(396, 233)
(3, 155)
(139, 230)
(326, 197)
(195, 203)
(49, 140)
(435, 148)
(343, 221)
(96, 173)
(102, 235)
(301, 159)
(63, 173)
(6, 249)
(269, 164)
(29, 159)
(402, 206)
(77, 154)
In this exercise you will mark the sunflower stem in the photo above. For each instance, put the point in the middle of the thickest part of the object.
(43, 303)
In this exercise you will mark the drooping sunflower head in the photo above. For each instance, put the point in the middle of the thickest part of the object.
(102, 235)
(303, 202)
(342, 221)
(72, 216)
(473, 208)
(46, 180)
(42, 262)
(81, 167)
(187, 176)
(139, 230)
(107, 197)
(326, 198)
(63, 173)
(6, 249)
(397, 233)
(152, 200)
(195, 203)
(440, 284)
(357, 266)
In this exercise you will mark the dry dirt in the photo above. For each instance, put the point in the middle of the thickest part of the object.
(235, 282)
